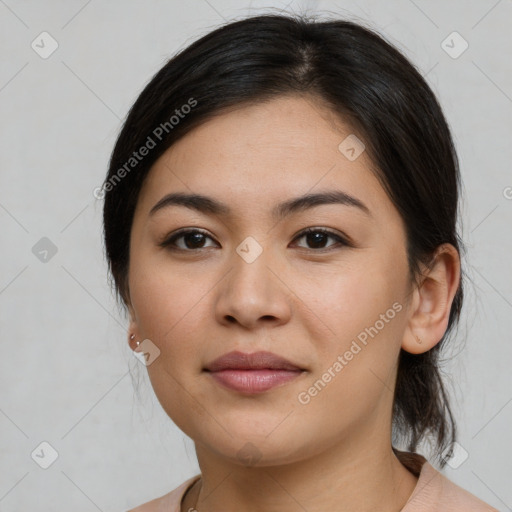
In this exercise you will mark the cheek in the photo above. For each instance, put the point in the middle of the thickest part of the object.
(166, 300)
(340, 304)
(171, 313)
(364, 318)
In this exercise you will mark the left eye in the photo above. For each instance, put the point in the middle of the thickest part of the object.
(317, 237)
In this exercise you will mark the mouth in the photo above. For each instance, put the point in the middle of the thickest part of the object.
(252, 373)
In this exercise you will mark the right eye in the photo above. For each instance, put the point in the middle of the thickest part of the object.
(193, 239)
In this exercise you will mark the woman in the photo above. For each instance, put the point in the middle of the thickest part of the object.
(280, 223)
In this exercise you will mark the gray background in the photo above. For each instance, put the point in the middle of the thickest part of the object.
(67, 374)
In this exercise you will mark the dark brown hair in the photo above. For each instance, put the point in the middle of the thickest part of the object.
(368, 83)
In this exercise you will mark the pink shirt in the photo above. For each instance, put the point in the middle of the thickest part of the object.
(433, 492)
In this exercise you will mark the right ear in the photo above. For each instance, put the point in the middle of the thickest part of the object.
(133, 328)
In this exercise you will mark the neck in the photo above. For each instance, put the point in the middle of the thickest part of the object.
(359, 475)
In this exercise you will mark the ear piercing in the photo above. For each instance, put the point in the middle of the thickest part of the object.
(418, 340)
(132, 337)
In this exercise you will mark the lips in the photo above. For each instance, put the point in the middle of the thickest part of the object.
(255, 361)
(252, 373)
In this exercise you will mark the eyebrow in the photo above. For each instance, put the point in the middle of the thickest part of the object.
(208, 205)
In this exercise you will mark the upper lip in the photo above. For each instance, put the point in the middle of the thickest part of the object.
(256, 361)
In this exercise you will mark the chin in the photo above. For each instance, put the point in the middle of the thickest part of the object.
(257, 447)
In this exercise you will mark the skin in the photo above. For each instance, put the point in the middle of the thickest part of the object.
(302, 301)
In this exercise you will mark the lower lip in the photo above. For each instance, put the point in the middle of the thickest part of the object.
(254, 381)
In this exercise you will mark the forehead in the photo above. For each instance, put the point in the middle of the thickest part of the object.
(258, 155)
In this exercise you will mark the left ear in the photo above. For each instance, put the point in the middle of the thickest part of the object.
(432, 301)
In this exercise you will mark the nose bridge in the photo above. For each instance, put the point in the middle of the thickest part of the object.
(251, 290)
(251, 274)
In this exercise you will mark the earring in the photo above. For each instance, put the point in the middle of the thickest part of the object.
(132, 337)
(419, 341)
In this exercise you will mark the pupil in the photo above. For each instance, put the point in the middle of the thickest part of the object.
(316, 238)
(196, 239)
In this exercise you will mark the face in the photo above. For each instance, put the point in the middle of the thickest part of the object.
(333, 302)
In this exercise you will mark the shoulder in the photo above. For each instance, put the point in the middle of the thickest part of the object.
(434, 491)
(170, 502)
(457, 498)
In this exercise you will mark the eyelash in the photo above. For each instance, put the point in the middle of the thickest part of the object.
(168, 242)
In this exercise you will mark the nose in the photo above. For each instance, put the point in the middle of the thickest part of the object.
(254, 293)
